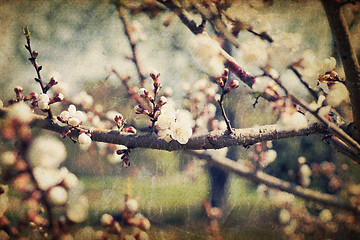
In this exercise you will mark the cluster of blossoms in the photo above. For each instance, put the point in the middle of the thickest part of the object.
(259, 55)
(327, 171)
(207, 54)
(35, 172)
(297, 221)
(263, 155)
(130, 216)
(200, 98)
(175, 124)
(62, 186)
(171, 124)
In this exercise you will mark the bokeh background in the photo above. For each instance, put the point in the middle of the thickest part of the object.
(78, 41)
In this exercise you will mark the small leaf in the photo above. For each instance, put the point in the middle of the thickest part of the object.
(39, 68)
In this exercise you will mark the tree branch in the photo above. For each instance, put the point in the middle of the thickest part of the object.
(273, 182)
(213, 140)
(341, 33)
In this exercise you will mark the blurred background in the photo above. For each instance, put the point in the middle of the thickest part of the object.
(79, 41)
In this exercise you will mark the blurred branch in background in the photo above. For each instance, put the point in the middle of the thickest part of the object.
(276, 183)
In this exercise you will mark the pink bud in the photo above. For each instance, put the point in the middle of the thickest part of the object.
(234, 84)
(118, 118)
(143, 92)
(130, 129)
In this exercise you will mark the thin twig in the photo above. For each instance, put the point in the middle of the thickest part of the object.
(227, 121)
(32, 59)
(311, 91)
(127, 31)
(130, 91)
(215, 19)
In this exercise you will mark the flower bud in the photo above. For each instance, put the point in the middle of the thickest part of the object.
(220, 81)
(43, 97)
(145, 224)
(43, 105)
(130, 130)
(142, 236)
(226, 72)
(162, 101)
(234, 84)
(84, 139)
(154, 75)
(35, 54)
(18, 90)
(143, 93)
(139, 109)
(117, 227)
(31, 96)
(58, 98)
(106, 219)
(118, 118)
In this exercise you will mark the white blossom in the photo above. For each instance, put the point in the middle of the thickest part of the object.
(142, 92)
(166, 118)
(70, 180)
(47, 151)
(261, 83)
(8, 158)
(84, 99)
(338, 93)
(49, 177)
(57, 195)
(43, 105)
(270, 156)
(84, 140)
(21, 112)
(294, 120)
(206, 52)
(327, 65)
(72, 116)
(254, 52)
(78, 206)
(282, 50)
(309, 68)
(181, 132)
(43, 102)
(74, 122)
(132, 205)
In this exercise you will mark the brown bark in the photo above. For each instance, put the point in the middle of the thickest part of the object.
(341, 33)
